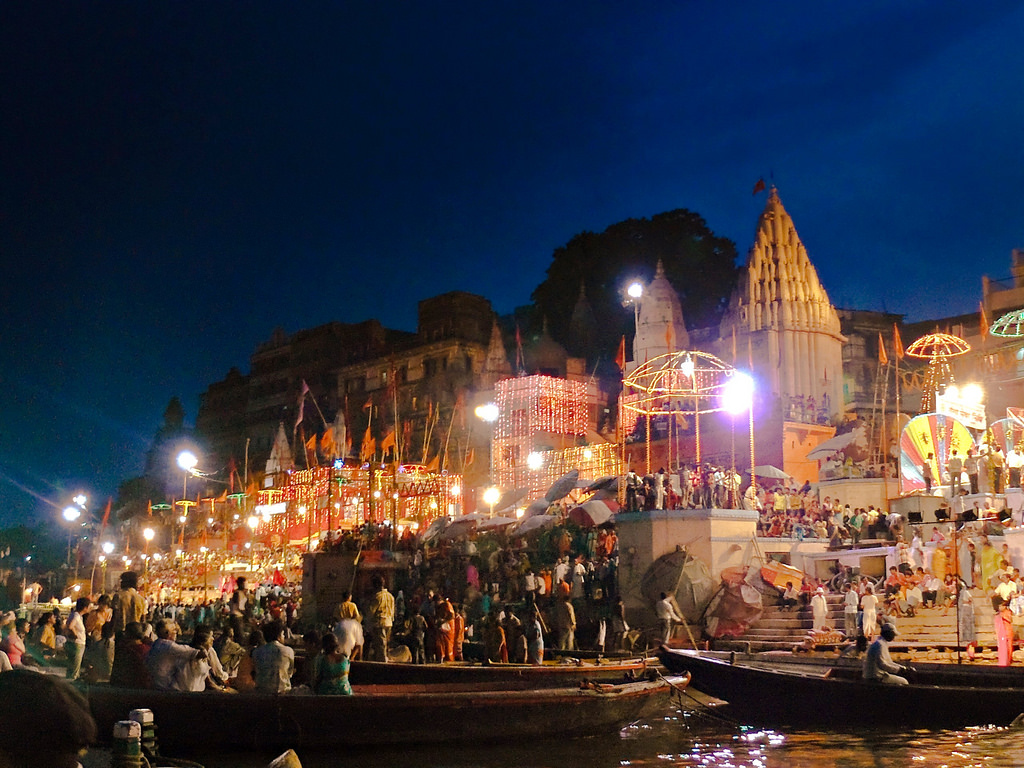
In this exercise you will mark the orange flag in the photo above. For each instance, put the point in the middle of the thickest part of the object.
(984, 320)
(388, 441)
(369, 446)
(897, 342)
(620, 356)
(883, 357)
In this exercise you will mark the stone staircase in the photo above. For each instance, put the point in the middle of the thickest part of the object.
(780, 630)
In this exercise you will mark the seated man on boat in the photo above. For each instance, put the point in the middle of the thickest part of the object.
(172, 666)
(878, 664)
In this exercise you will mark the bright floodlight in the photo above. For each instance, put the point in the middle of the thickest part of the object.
(108, 547)
(456, 489)
(253, 521)
(72, 513)
(738, 393)
(187, 460)
(80, 499)
(148, 534)
(488, 412)
(491, 496)
(973, 394)
(635, 290)
(687, 367)
(534, 460)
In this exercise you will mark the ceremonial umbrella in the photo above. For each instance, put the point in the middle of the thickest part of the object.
(495, 522)
(538, 507)
(510, 498)
(535, 523)
(593, 513)
(606, 483)
(770, 472)
(830, 446)
(463, 525)
(563, 485)
(435, 528)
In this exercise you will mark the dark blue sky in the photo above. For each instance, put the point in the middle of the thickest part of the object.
(177, 179)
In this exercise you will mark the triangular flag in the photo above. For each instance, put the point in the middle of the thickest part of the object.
(620, 356)
(759, 186)
(302, 402)
(883, 357)
(897, 343)
(984, 320)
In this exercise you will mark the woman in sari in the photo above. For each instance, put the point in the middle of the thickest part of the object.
(1003, 621)
(330, 676)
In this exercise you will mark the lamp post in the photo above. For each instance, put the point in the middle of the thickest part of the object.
(206, 567)
(148, 535)
(187, 462)
(491, 497)
(253, 521)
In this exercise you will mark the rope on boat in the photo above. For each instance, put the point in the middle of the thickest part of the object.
(705, 709)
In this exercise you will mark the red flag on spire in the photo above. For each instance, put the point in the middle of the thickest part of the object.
(760, 186)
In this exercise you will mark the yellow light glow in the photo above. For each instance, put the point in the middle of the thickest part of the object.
(492, 495)
(148, 534)
(973, 394)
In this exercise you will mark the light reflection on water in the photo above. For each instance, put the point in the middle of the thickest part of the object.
(689, 740)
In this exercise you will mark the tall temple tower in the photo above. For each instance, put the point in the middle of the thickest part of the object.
(660, 328)
(781, 317)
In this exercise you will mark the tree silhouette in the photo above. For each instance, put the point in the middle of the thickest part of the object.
(700, 265)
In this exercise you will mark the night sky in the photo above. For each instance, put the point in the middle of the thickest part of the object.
(178, 179)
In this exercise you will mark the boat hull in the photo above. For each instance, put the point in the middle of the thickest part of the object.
(512, 676)
(377, 715)
(766, 696)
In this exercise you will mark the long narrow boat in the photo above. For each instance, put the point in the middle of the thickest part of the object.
(381, 715)
(558, 674)
(767, 695)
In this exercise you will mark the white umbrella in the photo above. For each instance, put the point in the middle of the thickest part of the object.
(495, 522)
(434, 529)
(534, 523)
(561, 487)
(593, 512)
(770, 472)
(538, 507)
(510, 498)
(463, 525)
(830, 446)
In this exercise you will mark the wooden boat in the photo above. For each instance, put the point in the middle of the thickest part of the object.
(381, 715)
(548, 675)
(836, 697)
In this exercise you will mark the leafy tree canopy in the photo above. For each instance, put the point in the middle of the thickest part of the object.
(700, 265)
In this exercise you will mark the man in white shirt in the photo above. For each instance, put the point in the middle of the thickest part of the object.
(667, 615)
(274, 662)
(172, 666)
(75, 646)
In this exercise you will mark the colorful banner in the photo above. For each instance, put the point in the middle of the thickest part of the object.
(935, 434)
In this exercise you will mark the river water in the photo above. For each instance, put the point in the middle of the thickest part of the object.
(690, 738)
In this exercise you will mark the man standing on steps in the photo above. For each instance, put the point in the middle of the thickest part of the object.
(819, 610)
(851, 602)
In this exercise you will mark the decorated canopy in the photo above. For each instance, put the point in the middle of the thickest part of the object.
(1010, 325)
(934, 434)
(1006, 433)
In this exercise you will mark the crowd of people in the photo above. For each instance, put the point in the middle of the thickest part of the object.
(502, 598)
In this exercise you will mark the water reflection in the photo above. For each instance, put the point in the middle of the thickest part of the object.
(692, 739)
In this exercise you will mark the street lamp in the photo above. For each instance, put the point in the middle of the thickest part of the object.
(491, 497)
(187, 462)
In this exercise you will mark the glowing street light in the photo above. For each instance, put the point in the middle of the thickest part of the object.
(108, 547)
(487, 412)
(491, 497)
(72, 513)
